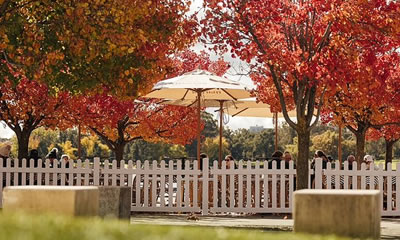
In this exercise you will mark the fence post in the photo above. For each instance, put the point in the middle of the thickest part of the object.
(204, 205)
(96, 171)
(2, 176)
(318, 173)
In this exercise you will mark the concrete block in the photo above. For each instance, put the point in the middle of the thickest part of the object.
(115, 202)
(64, 200)
(349, 213)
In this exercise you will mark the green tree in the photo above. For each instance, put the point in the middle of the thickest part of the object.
(286, 134)
(211, 148)
(327, 142)
(263, 143)
(210, 130)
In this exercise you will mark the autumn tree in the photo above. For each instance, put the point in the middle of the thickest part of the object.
(294, 50)
(78, 45)
(27, 106)
(118, 122)
(371, 99)
(188, 60)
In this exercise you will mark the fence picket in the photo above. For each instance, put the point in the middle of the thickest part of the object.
(16, 163)
(240, 180)
(274, 187)
(146, 185)
(113, 174)
(138, 178)
(337, 175)
(153, 183)
(282, 181)
(96, 171)
(291, 184)
(86, 176)
(249, 188)
(266, 186)
(223, 185)
(380, 183)
(170, 184)
(122, 173)
(195, 184)
(257, 187)
(186, 186)
(179, 185)
(389, 189)
(78, 174)
(39, 174)
(215, 185)
(130, 174)
(105, 172)
(345, 176)
(70, 176)
(232, 185)
(62, 174)
(355, 176)
(162, 183)
(47, 173)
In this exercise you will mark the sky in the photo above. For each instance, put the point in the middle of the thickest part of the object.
(231, 122)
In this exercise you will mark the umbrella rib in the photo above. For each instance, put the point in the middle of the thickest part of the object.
(239, 112)
(187, 90)
(230, 95)
(199, 89)
(191, 105)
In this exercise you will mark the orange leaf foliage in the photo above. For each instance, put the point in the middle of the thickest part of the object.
(78, 45)
(29, 104)
(300, 48)
(117, 120)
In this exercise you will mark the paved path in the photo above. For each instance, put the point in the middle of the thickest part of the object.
(390, 226)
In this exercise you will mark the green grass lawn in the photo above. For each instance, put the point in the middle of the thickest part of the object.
(394, 163)
(25, 227)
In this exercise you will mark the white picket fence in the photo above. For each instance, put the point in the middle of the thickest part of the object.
(173, 186)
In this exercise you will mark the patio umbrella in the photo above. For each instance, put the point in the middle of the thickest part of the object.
(221, 105)
(199, 85)
(261, 111)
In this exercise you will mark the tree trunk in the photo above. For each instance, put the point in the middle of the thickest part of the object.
(389, 152)
(119, 152)
(360, 146)
(303, 147)
(23, 144)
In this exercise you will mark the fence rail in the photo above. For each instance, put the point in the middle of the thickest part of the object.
(176, 186)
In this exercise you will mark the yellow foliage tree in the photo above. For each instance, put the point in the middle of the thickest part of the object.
(88, 143)
(177, 151)
(211, 148)
(68, 149)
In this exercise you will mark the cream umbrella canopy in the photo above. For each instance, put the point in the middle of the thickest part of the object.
(260, 110)
(198, 85)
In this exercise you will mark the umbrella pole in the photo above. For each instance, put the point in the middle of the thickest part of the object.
(220, 131)
(198, 128)
(276, 130)
(340, 146)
